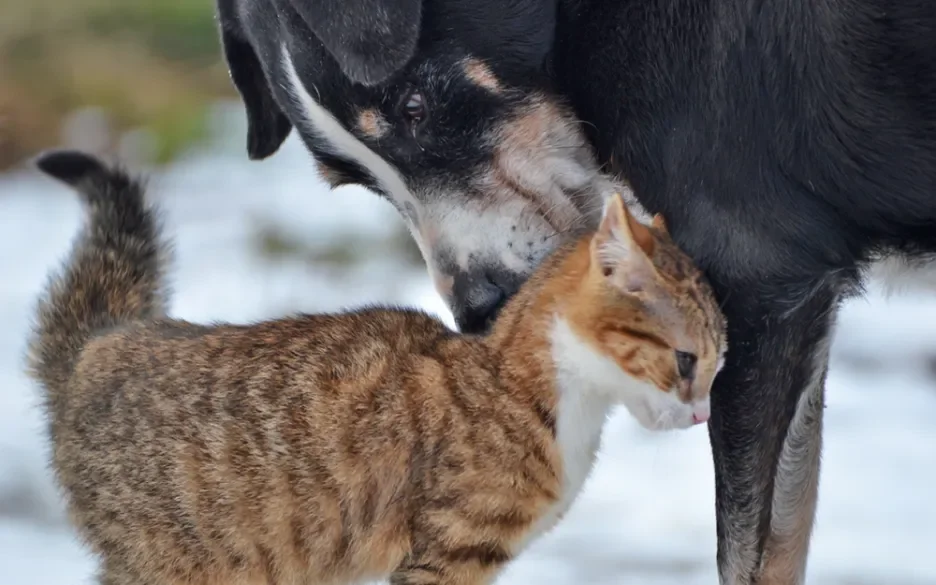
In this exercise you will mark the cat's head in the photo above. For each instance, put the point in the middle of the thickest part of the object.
(644, 325)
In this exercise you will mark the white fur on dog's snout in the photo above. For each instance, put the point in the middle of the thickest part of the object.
(541, 187)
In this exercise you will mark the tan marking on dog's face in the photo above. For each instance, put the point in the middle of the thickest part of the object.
(372, 123)
(481, 75)
(329, 175)
(532, 127)
(541, 155)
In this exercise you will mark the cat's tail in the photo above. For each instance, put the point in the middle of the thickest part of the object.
(115, 274)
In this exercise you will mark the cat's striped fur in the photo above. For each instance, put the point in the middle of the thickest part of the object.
(334, 448)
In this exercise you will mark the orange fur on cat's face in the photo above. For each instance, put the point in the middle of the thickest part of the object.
(640, 304)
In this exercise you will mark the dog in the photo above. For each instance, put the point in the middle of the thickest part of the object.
(788, 144)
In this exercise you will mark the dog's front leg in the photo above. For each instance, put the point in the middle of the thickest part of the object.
(796, 485)
(766, 432)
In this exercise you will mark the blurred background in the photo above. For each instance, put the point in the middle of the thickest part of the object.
(143, 80)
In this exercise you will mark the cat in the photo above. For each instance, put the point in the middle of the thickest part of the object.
(364, 445)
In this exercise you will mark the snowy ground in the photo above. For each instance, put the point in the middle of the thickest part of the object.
(646, 516)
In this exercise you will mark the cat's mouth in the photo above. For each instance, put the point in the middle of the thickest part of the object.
(675, 416)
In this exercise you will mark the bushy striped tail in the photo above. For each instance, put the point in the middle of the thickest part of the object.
(115, 273)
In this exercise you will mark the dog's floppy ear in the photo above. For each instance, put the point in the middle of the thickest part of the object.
(370, 39)
(267, 126)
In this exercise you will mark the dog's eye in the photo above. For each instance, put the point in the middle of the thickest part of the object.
(414, 107)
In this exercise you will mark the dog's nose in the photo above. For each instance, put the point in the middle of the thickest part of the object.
(478, 296)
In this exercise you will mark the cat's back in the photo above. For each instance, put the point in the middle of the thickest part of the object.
(300, 349)
(211, 439)
(171, 373)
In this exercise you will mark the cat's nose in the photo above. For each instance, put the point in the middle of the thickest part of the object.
(477, 297)
(701, 411)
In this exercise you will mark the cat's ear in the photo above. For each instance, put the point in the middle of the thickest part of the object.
(622, 247)
(619, 225)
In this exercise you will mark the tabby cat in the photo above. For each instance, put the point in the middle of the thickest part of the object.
(336, 448)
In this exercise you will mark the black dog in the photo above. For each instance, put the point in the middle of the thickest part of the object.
(787, 143)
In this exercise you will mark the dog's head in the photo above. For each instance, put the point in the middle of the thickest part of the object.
(444, 107)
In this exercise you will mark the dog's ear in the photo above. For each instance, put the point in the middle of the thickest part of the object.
(370, 39)
(267, 126)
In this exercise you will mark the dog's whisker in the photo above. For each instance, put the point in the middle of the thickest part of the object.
(581, 122)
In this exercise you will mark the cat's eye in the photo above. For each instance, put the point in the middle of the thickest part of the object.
(686, 364)
(413, 107)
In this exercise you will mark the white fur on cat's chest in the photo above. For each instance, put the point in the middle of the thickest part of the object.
(579, 449)
(581, 415)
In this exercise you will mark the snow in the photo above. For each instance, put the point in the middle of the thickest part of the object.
(646, 516)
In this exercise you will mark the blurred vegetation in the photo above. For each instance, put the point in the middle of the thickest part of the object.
(153, 65)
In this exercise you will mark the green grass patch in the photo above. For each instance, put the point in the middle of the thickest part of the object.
(181, 30)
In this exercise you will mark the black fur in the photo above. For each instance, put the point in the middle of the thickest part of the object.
(69, 166)
(370, 39)
(787, 144)
(267, 127)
